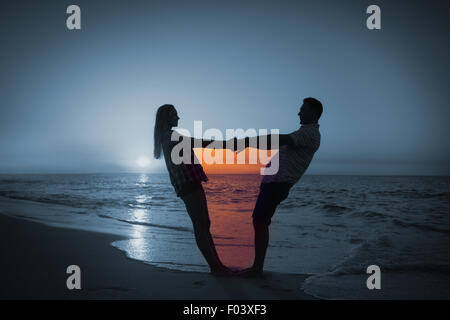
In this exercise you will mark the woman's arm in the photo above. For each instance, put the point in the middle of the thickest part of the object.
(206, 143)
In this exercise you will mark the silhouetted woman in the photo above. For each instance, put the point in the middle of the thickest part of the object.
(187, 180)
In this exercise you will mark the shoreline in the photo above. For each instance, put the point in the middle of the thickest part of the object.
(35, 257)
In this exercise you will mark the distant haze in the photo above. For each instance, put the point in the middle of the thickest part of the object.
(85, 101)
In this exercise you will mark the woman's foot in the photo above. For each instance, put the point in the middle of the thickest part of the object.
(222, 271)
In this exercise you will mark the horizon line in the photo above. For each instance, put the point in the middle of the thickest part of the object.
(225, 174)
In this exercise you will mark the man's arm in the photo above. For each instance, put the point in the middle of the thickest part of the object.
(262, 142)
(265, 142)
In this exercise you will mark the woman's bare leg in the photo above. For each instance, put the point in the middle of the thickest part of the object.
(197, 209)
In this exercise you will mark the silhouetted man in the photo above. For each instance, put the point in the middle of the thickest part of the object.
(296, 151)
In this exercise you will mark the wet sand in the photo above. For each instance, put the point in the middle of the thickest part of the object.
(34, 259)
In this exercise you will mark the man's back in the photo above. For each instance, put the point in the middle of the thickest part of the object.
(294, 160)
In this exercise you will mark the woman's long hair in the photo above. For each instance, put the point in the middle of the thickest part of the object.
(161, 124)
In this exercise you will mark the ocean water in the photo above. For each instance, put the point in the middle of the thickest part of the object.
(330, 227)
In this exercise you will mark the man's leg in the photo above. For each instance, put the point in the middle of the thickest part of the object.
(261, 243)
(269, 197)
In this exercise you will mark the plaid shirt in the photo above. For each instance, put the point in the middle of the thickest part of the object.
(181, 175)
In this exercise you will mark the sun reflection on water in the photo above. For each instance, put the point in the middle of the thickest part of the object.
(139, 244)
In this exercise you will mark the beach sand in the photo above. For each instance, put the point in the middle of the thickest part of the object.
(34, 259)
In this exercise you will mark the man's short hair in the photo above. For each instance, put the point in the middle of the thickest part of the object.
(315, 104)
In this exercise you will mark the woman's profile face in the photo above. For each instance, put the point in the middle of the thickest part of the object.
(173, 118)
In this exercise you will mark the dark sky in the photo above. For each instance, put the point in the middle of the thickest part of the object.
(84, 101)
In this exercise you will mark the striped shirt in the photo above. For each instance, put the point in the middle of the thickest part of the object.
(182, 175)
(294, 160)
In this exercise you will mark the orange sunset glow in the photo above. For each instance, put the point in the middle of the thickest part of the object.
(251, 161)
